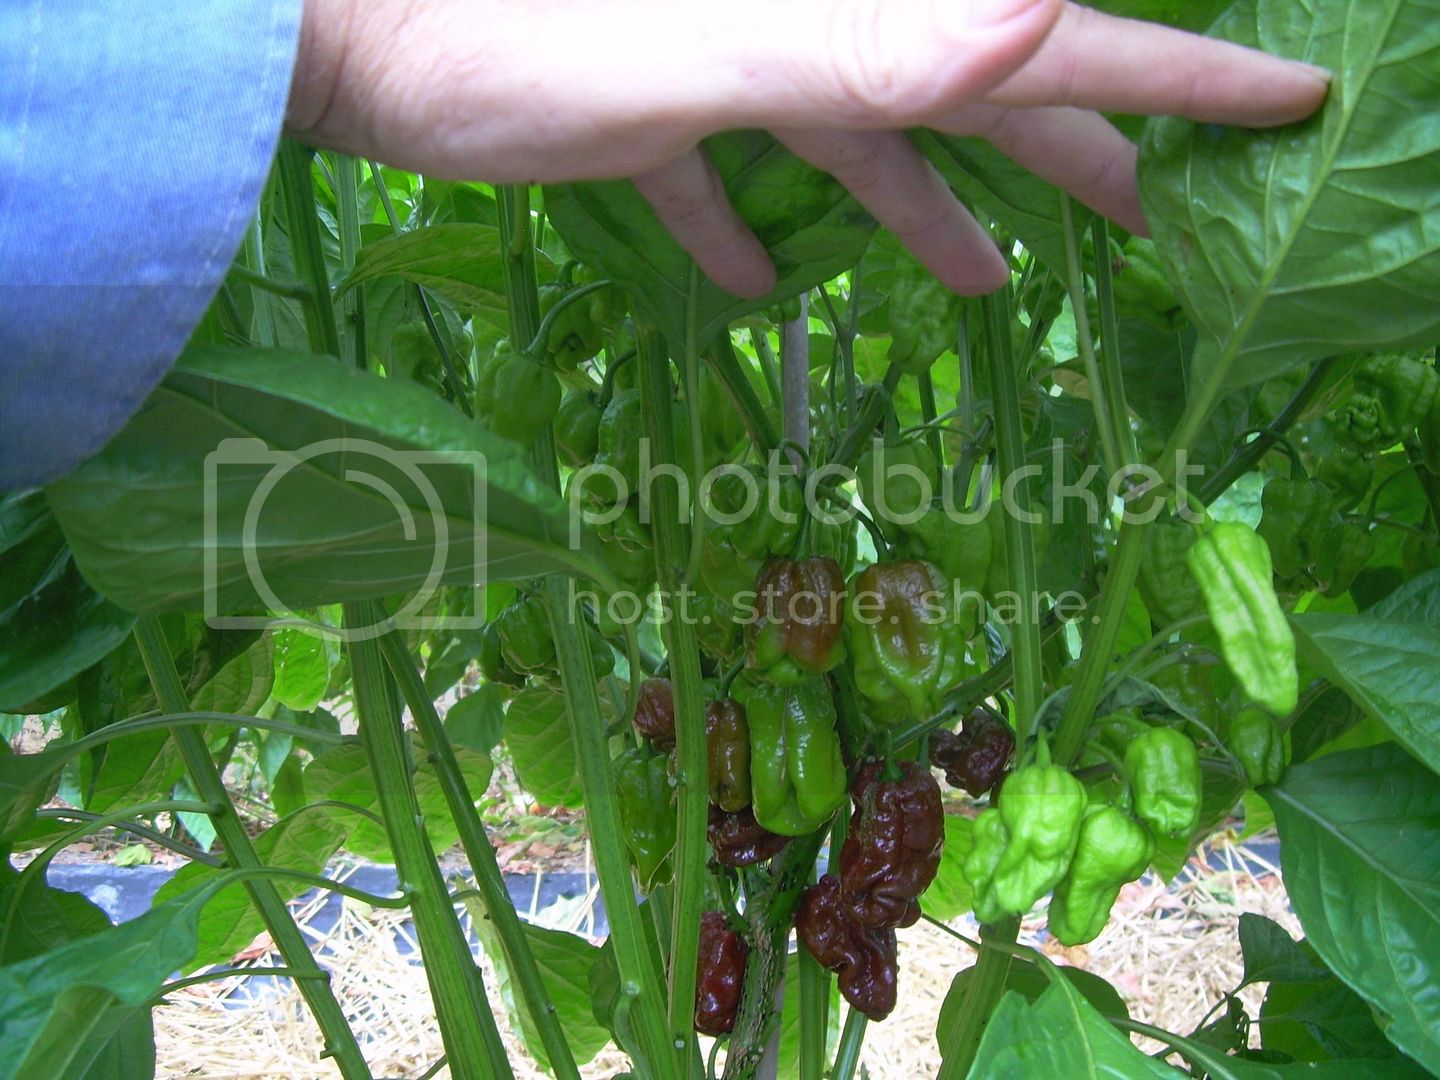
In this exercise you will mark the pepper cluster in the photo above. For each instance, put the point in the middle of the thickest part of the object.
(890, 856)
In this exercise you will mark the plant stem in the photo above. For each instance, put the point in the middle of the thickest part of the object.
(467, 1027)
(1019, 544)
(852, 1038)
(1099, 395)
(347, 218)
(477, 848)
(987, 985)
(692, 783)
(728, 370)
(1112, 368)
(298, 192)
(239, 852)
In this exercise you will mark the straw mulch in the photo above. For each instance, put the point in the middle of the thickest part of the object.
(1172, 953)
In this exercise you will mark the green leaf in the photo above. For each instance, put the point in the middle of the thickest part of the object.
(807, 221)
(52, 624)
(93, 985)
(1060, 1034)
(242, 685)
(343, 774)
(302, 669)
(1359, 832)
(951, 895)
(1290, 244)
(462, 262)
(1272, 955)
(1016, 198)
(537, 734)
(565, 962)
(1184, 14)
(477, 720)
(1320, 1021)
(303, 841)
(1030, 982)
(26, 783)
(1388, 661)
(328, 529)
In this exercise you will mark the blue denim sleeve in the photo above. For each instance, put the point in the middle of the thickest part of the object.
(134, 142)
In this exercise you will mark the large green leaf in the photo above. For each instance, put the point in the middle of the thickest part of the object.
(328, 529)
(537, 734)
(303, 841)
(302, 669)
(1291, 244)
(1028, 980)
(1018, 200)
(52, 624)
(1387, 660)
(52, 1006)
(1359, 840)
(950, 894)
(1059, 1034)
(808, 223)
(242, 685)
(1272, 955)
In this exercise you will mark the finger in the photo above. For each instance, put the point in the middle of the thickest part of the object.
(868, 63)
(1097, 61)
(886, 174)
(689, 199)
(1073, 149)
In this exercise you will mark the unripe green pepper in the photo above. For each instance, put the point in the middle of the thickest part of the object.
(897, 482)
(1232, 565)
(924, 317)
(1142, 290)
(574, 336)
(906, 638)
(753, 514)
(1406, 388)
(961, 551)
(491, 660)
(577, 428)
(1164, 771)
(797, 776)
(1169, 592)
(1295, 523)
(525, 639)
(618, 438)
(1023, 847)
(727, 743)
(1113, 849)
(1347, 473)
(1251, 735)
(647, 816)
(516, 397)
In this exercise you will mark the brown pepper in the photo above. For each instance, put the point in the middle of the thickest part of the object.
(727, 742)
(739, 840)
(719, 975)
(863, 958)
(976, 758)
(793, 633)
(892, 849)
(655, 714)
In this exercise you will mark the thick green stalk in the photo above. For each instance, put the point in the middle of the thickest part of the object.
(352, 305)
(1112, 371)
(986, 987)
(1019, 544)
(643, 998)
(467, 1027)
(852, 1038)
(298, 192)
(1099, 395)
(315, 985)
(814, 1015)
(476, 844)
(692, 784)
(726, 367)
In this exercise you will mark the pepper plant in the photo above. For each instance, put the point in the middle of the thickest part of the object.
(1144, 539)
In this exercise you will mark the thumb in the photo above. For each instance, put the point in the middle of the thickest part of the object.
(874, 63)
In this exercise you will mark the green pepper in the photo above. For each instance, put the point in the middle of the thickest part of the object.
(608, 306)
(1232, 565)
(1346, 473)
(411, 350)
(1189, 691)
(1169, 592)
(961, 551)
(897, 482)
(1255, 740)
(1011, 866)
(906, 637)
(797, 777)
(1405, 388)
(1341, 561)
(1359, 422)
(577, 428)
(1141, 289)
(525, 640)
(1113, 849)
(617, 443)
(1164, 771)
(574, 336)
(794, 627)
(716, 631)
(727, 742)
(516, 397)
(924, 317)
(647, 816)
(491, 661)
(1295, 523)
(750, 517)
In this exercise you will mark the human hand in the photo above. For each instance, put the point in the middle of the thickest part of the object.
(548, 91)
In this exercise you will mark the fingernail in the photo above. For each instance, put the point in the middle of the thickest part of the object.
(1314, 70)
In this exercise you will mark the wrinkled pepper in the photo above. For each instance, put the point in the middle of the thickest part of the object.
(514, 396)
(727, 742)
(1113, 848)
(525, 641)
(1232, 565)
(794, 628)
(574, 335)
(1255, 740)
(1169, 592)
(960, 551)
(1295, 523)
(892, 849)
(1164, 771)
(749, 518)
(1405, 387)
(906, 637)
(617, 440)
(647, 816)
(491, 661)
(577, 428)
(924, 317)
(897, 482)
(975, 759)
(739, 840)
(797, 777)
(1022, 848)
(655, 714)
(864, 958)
(719, 975)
